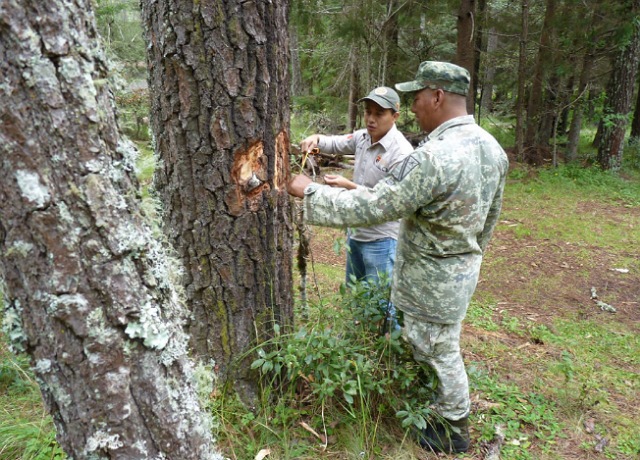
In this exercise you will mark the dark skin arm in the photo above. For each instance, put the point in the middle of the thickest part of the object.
(297, 185)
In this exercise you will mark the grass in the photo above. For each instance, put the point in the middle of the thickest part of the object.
(26, 430)
(555, 375)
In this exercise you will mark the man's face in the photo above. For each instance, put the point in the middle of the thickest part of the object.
(424, 104)
(378, 120)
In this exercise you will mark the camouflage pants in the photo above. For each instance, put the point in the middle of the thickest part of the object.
(439, 346)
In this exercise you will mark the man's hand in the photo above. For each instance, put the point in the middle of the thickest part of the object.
(298, 184)
(339, 181)
(310, 143)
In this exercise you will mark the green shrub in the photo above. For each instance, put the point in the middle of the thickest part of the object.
(341, 370)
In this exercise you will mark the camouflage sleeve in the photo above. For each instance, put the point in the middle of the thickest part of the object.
(338, 145)
(409, 186)
(492, 217)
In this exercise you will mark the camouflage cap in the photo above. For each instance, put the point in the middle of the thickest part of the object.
(385, 97)
(434, 74)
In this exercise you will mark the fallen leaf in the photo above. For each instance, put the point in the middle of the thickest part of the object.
(313, 432)
(262, 454)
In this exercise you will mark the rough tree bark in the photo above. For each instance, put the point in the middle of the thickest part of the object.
(89, 291)
(619, 97)
(465, 51)
(219, 82)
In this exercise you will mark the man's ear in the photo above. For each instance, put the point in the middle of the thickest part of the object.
(438, 96)
(396, 115)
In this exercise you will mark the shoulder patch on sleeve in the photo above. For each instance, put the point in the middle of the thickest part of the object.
(405, 167)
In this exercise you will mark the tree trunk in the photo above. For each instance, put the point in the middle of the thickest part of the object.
(219, 81)
(354, 91)
(486, 102)
(465, 53)
(564, 104)
(90, 295)
(619, 98)
(522, 78)
(578, 110)
(297, 87)
(551, 104)
(635, 123)
(390, 35)
(537, 131)
(479, 49)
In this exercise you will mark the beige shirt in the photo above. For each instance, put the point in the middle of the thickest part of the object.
(373, 162)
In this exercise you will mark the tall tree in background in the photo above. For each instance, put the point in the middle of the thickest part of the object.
(635, 123)
(619, 93)
(522, 78)
(347, 48)
(489, 74)
(354, 91)
(219, 82)
(90, 296)
(480, 48)
(465, 50)
(590, 46)
(536, 138)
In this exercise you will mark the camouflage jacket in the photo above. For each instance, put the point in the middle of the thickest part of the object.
(449, 194)
(372, 164)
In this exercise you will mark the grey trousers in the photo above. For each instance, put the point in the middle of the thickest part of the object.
(439, 346)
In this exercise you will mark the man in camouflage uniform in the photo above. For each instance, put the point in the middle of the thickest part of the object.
(448, 193)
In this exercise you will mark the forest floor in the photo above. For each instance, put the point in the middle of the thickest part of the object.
(541, 351)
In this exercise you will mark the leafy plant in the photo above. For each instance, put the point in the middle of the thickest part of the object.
(344, 369)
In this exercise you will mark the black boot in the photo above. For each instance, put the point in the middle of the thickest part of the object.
(449, 436)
